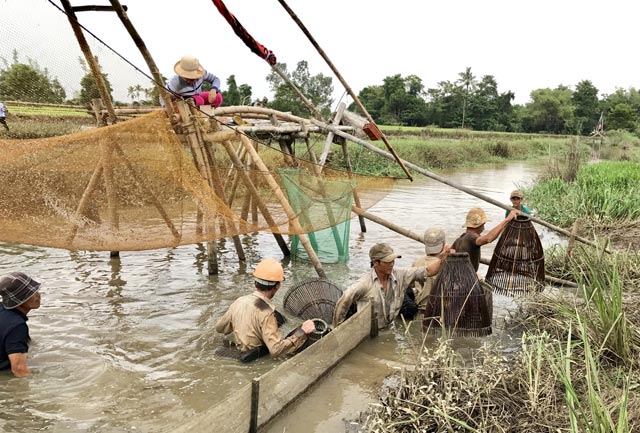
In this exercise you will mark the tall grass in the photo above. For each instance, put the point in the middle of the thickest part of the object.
(604, 192)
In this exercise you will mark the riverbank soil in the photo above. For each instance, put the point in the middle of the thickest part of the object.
(623, 235)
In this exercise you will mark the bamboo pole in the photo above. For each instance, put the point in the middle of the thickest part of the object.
(455, 185)
(327, 142)
(155, 72)
(412, 235)
(199, 158)
(346, 86)
(91, 61)
(256, 196)
(82, 204)
(286, 206)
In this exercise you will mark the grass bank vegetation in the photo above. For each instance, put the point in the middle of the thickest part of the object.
(578, 367)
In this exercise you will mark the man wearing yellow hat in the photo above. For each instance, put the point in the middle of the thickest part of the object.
(252, 318)
(472, 239)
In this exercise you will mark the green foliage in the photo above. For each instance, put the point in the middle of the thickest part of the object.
(550, 111)
(317, 89)
(89, 88)
(231, 95)
(605, 192)
(27, 82)
(587, 107)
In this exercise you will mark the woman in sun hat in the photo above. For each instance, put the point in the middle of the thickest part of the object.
(187, 83)
(19, 296)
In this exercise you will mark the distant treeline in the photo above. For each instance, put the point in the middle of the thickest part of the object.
(466, 102)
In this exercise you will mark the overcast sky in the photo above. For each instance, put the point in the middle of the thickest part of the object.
(526, 45)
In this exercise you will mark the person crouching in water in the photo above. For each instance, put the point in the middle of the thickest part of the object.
(252, 318)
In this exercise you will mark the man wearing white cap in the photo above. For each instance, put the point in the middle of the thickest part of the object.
(384, 283)
(19, 296)
(436, 252)
(187, 82)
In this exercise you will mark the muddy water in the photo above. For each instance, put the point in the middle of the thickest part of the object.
(127, 345)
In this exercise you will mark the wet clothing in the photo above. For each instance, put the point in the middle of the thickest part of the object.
(387, 305)
(466, 243)
(423, 290)
(253, 322)
(14, 335)
(523, 209)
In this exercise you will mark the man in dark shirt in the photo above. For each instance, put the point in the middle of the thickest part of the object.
(472, 239)
(19, 296)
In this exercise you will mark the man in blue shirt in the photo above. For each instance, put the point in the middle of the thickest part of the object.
(19, 296)
(3, 116)
(187, 82)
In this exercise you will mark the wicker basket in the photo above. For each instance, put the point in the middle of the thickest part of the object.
(313, 299)
(458, 304)
(517, 264)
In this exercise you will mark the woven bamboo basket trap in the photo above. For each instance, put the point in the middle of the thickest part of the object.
(314, 298)
(458, 305)
(517, 264)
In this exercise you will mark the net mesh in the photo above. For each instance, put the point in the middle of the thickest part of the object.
(134, 185)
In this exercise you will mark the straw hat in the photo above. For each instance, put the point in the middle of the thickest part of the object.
(17, 288)
(475, 218)
(189, 67)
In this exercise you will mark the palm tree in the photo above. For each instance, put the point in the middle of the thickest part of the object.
(467, 79)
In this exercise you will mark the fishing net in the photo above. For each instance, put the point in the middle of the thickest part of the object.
(140, 183)
(517, 264)
(329, 203)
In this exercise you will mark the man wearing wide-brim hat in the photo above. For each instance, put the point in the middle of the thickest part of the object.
(188, 81)
(20, 294)
(384, 283)
(472, 239)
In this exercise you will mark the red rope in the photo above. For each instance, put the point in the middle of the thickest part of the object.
(255, 46)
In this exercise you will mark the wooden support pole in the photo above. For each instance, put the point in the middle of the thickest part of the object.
(286, 206)
(344, 83)
(82, 204)
(255, 400)
(327, 142)
(199, 159)
(91, 61)
(151, 64)
(106, 149)
(253, 191)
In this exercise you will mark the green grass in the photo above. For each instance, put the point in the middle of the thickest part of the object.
(605, 192)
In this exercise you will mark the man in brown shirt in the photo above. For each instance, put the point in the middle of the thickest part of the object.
(252, 320)
(472, 239)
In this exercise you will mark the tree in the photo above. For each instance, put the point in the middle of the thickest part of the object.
(467, 79)
(27, 82)
(316, 88)
(587, 107)
(622, 116)
(549, 111)
(231, 95)
(245, 94)
(89, 88)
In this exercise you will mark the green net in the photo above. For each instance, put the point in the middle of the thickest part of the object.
(321, 202)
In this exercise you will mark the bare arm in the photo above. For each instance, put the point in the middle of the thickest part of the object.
(434, 268)
(19, 364)
(495, 232)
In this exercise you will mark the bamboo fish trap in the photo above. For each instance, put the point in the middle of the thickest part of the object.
(313, 299)
(457, 304)
(517, 264)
